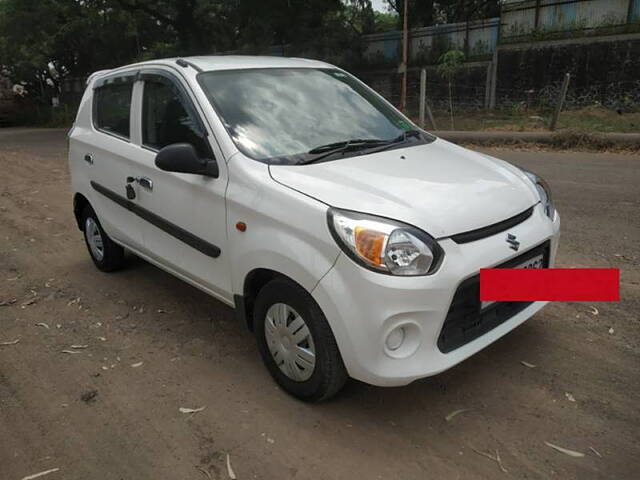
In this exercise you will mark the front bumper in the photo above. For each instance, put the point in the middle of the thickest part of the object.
(362, 306)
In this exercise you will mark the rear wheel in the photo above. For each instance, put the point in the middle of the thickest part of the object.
(296, 342)
(107, 255)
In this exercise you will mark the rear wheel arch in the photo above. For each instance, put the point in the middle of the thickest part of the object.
(107, 255)
(79, 204)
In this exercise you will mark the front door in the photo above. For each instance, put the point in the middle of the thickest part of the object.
(184, 223)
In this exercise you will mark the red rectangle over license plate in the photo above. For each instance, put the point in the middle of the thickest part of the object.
(551, 284)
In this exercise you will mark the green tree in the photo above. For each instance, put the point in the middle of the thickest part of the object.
(449, 65)
(385, 21)
(42, 41)
(421, 12)
(452, 11)
(424, 13)
(206, 26)
(193, 26)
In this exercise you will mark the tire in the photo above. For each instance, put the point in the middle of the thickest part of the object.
(107, 255)
(328, 374)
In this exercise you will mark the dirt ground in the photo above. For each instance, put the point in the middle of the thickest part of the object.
(582, 394)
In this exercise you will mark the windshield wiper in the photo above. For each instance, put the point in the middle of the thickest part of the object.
(407, 134)
(356, 144)
(399, 139)
(346, 143)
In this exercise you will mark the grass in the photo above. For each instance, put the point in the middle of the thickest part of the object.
(593, 119)
(562, 140)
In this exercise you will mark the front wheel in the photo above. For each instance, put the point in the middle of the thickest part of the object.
(296, 342)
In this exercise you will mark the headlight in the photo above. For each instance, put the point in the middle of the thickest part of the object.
(543, 191)
(384, 245)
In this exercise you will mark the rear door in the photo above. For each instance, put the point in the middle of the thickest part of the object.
(107, 152)
(183, 215)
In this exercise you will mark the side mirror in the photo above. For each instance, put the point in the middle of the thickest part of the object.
(183, 158)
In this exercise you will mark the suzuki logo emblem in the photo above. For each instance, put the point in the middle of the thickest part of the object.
(513, 243)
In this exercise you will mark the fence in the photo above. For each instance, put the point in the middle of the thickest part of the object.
(470, 96)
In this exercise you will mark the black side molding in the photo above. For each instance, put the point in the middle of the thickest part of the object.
(177, 232)
(180, 233)
(111, 195)
(477, 234)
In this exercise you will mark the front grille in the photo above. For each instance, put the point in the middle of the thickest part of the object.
(484, 232)
(466, 321)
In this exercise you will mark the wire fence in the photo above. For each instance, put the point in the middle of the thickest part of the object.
(620, 96)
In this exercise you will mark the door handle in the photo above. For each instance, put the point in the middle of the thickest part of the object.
(89, 159)
(145, 182)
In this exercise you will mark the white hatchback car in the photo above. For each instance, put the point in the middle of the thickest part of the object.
(347, 238)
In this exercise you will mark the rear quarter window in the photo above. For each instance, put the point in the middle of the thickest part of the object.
(112, 108)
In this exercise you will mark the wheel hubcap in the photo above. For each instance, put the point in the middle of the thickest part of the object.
(94, 239)
(290, 342)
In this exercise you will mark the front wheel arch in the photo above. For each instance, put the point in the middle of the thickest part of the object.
(254, 281)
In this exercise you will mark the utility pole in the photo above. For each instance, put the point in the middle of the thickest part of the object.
(405, 57)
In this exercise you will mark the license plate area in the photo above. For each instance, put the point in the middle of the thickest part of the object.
(535, 262)
(538, 260)
(466, 320)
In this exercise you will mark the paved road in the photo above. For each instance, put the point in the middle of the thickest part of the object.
(582, 394)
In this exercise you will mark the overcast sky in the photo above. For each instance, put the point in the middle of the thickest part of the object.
(379, 5)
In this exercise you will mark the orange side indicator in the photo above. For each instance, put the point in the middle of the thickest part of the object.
(370, 244)
(241, 226)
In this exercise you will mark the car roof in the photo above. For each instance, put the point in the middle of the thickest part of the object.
(210, 63)
(227, 62)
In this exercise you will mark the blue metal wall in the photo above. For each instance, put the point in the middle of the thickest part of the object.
(518, 16)
(517, 22)
(634, 11)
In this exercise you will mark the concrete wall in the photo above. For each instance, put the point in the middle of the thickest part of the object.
(606, 72)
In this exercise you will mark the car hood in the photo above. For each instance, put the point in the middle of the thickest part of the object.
(439, 187)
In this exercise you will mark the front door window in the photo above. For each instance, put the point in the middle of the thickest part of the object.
(167, 117)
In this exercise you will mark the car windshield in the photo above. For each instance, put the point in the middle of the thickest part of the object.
(288, 115)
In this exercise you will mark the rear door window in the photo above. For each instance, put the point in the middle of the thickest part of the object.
(112, 108)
